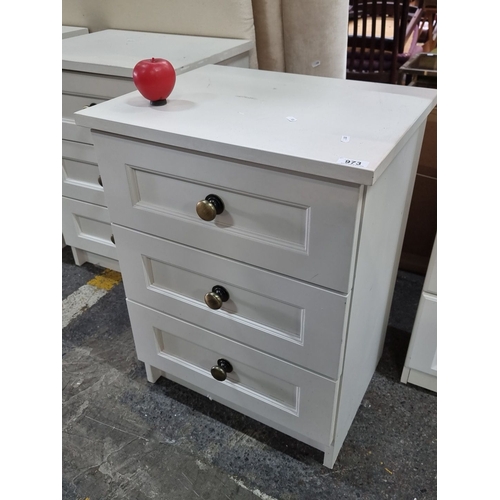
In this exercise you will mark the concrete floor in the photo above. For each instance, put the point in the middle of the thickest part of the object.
(124, 438)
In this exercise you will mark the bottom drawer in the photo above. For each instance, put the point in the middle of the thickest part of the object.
(284, 396)
(87, 227)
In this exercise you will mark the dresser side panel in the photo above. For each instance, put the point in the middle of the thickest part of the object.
(384, 219)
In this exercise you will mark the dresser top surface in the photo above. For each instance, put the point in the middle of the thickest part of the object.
(116, 52)
(301, 123)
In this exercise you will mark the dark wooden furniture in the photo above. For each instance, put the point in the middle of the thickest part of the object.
(379, 31)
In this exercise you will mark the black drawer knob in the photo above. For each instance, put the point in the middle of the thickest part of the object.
(219, 372)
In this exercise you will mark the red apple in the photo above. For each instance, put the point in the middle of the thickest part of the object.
(154, 79)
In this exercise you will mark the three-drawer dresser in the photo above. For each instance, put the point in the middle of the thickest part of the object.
(258, 219)
(97, 67)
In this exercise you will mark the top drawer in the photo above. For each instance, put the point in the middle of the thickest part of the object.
(298, 226)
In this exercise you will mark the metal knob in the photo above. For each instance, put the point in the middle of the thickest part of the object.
(208, 208)
(216, 297)
(220, 371)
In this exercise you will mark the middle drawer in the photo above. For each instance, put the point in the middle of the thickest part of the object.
(80, 174)
(294, 321)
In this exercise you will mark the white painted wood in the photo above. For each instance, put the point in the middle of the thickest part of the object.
(80, 173)
(289, 319)
(286, 394)
(98, 67)
(72, 132)
(268, 118)
(124, 49)
(239, 61)
(330, 457)
(71, 31)
(228, 131)
(87, 227)
(380, 243)
(421, 359)
(72, 103)
(289, 224)
(152, 373)
(422, 351)
(430, 282)
(247, 411)
(83, 256)
(422, 379)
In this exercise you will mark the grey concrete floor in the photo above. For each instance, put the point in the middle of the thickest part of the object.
(124, 438)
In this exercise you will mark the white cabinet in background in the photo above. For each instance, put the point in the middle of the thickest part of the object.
(258, 219)
(71, 31)
(97, 67)
(421, 360)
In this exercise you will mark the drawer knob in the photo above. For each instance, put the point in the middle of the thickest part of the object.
(208, 208)
(220, 371)
(216, 297)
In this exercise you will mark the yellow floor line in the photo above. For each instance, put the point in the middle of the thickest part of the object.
(107, 280)
(88, 295)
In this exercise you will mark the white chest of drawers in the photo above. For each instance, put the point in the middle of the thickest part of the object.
(97, 67)
(278, 305)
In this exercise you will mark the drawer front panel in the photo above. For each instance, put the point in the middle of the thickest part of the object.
(290, 396)
(73, 132)
(80, 173)
(89, 84)
(73, 103)
(289, 319)
(298, 226)
(87, 227)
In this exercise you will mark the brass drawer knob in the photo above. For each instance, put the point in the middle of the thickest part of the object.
(220, 371)
(208, 208)
(216, 297)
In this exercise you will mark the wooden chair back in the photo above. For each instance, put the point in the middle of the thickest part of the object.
(378, 33)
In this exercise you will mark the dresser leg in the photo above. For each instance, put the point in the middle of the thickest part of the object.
(330, 457)
(80, 256)
(152, 373)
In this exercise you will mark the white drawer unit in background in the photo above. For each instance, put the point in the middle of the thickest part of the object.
(97, 67)
(258, 219)
(421, 360)
(71, 31)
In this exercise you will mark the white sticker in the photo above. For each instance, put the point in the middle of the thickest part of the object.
(345, 138)
(291, 118)
(315, 64)
(352, 163)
